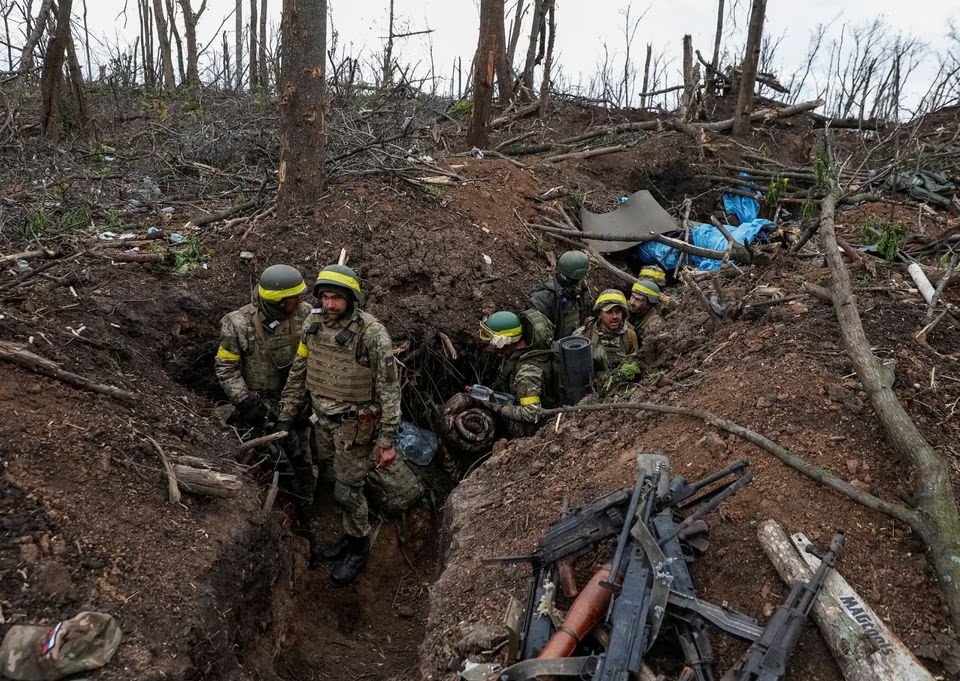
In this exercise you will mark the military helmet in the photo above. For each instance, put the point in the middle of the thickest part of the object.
(340, 279)
(654, 273)
(648, 290)
(573, 265)
(501, 329)
(610, 298)
(280, 281)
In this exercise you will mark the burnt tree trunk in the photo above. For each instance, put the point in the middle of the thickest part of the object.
(262, 45)
(548, 59)
(252, 60)
(238, 44)
(515, 31)
(936, 520)
(535, 47)
(52, 75)
(484, 65)
(502, 66)
(303, 107)
(748, 71)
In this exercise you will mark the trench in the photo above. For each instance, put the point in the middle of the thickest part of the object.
(277, 618)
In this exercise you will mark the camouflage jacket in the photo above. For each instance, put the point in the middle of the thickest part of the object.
(609, 349)
(646, 323)
(566, 309)
(254, 357)
(374, 350)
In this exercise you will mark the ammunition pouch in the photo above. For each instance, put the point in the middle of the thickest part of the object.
(359, 426)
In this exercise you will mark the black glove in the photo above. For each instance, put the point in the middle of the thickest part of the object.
(291, 444)
(252, 411)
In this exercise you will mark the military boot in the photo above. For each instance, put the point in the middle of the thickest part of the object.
(352, 565)
(333, 552)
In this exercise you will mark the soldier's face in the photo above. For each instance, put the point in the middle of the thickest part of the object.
(334, 305)
(290, 305)
(638, 303)
(611, 319)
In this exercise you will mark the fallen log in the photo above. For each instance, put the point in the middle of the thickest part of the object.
(863, 646)
(19, 355)
(205, 482)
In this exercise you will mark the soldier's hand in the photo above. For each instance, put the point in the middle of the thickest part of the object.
(252, 411)
(386, 456)
(291, 443)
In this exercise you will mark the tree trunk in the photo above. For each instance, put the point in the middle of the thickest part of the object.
(26, 55)
(502, 66)
(146, 43)
(175, 34)
(715, 61)
(79, 96)
(238, 50)
(254, 78)
(227, 73)
(689, 87)
(303, 105)
(190, 35)
(548, 60)
(537, 29)
(491, 13)
(938, 521)
(262, 54)
(52, 75)
(163, 35)
(515, 32)
(386, 70)
(644, 98)
(751, 57)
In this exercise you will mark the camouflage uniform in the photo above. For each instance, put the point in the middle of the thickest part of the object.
(256, 351)
(253, 358)
(609, 349)
(564, 308)
(355, 395)
(647, 322)
(529, 375)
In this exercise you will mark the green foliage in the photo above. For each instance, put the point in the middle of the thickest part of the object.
(808, 211)
(572, 202)
(77, 218)
(113, 219)
(626, 372)
(433, 190)
(189, 255)
(821, 168)
(888, 238)
(461, 110)
(775, 191)
(36, 224)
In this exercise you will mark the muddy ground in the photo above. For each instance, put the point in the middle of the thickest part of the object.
(211, 589)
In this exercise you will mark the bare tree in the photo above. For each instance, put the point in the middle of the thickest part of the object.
(175, 34)
(52, 74)
(515, 25)
(146, 43)
(254, 77)
(190, 19)
(262, 53)
(303, 106)
(536, 46)
(741, 122)
(238, 52)
(484, 67)
(163, 37)
(711, 79)
(548, 59)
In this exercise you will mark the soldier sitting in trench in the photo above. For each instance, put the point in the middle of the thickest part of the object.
(611, 336)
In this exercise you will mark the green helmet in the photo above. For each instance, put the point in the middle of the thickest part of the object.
(280, 281)
(573, 265)
(611, 297)
(501, 329)
(654, 273)
(647, 289)
(340, 279)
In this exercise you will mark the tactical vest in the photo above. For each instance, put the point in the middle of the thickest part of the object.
(334, 370)
(548, 359)
(615, 346)
(270, 354)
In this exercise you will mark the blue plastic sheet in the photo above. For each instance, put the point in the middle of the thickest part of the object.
(416, 444)
(745, 208)
(705, 236)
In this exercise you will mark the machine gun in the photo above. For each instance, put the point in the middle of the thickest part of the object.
(766, 659)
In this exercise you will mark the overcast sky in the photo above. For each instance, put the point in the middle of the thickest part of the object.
(584, 26)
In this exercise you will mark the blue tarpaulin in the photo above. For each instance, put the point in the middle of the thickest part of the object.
(704, 236)
(745, 208)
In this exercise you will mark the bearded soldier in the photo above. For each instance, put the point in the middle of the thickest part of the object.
(610, 335)
(345, 367)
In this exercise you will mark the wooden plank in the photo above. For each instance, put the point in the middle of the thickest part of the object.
(863, 646)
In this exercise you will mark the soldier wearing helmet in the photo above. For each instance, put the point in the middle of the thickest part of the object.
(609, 332)
(528, 372)
(563, 298)
(644, 307)
(258, 343)
(346, 370)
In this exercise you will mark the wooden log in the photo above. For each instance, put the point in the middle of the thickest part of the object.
(864, 647)
(271, 495)
(203, 482)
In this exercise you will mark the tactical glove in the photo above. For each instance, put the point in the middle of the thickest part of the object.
(291, 444)
(252, 411)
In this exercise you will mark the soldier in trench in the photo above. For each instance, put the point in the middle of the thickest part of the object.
(258, 343)
(564, 298)
(611, 336)
(345, 368)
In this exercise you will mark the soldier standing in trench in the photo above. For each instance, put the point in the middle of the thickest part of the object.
(345, 366)
(611, 336)
(258, 343)
(563, 298)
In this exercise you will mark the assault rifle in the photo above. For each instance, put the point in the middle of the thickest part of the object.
(766, 659)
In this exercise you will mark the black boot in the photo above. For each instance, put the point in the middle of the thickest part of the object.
(352, 565)
(337, 551)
